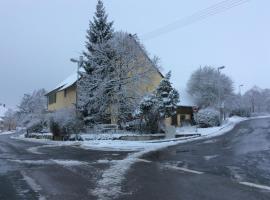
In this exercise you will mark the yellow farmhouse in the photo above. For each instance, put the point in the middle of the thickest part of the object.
(64, 95)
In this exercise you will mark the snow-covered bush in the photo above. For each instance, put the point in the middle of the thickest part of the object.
(35, 127)
(149, 114)
(241, 112)
(207, 117)
(160, 105)
(65, 122)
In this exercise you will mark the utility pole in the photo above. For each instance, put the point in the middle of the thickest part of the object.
(240, 96)
(80, 64)
(219, 94)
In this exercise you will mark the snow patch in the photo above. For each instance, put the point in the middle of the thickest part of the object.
(69, 162)
(7, 133)
(33, 185)
(210, 157)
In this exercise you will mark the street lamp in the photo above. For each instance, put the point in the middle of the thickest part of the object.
(80, 64)
(219, 93)
(240, 86)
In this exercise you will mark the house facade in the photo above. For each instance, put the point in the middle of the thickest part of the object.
(63, 95)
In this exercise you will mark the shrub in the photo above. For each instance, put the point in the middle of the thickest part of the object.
(207, 117)
(36, 127)
(241, 112)
(65, 122)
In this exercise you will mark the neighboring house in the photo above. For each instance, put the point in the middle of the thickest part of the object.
(184, 112)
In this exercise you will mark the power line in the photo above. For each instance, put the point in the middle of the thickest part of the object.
(198, 16)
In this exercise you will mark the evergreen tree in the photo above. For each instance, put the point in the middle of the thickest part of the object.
(99, 33)
(167, 97)
(93, 86)
(162, 104)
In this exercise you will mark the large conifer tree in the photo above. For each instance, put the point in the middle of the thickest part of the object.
(99, 33)
(167, 97)
(93, 93)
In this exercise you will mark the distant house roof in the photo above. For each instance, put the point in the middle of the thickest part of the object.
(3, 110)
(185, 98)
(68, 82)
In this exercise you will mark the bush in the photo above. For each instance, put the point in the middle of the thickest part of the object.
(36, 127)
(208, 117)
(65, 122)
(241, 112)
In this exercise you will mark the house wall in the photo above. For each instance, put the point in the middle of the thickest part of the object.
(63, 101)
(184, 113)
(140, 88)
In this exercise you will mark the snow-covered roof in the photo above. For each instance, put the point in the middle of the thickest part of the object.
(69, 81)
(3, 110)
(185, 98)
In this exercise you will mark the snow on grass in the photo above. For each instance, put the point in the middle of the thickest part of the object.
(7, 133)
(105, 136)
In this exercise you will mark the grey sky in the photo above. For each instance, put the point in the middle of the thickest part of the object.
(37, 39)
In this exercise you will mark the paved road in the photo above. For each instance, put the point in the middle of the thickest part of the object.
(233, 166)
(30, 171)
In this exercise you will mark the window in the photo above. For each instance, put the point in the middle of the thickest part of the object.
(52, 98)
(65, 93)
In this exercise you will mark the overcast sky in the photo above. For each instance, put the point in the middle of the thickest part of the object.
(38, 37)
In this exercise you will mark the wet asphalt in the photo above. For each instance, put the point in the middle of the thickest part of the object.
(33, 174)
(219, 166)
(210, 169)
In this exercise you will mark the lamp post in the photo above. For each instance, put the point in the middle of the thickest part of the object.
(240, 86)
(219, 93)
(240, 96)
(79, 63)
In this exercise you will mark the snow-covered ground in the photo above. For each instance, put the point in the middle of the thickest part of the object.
(7, 132)
(107, 142)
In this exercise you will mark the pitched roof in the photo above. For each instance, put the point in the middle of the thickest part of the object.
(185, 98)
(69, 81)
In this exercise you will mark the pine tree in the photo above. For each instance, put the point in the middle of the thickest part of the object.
(93, 92)
(99, 33)
(167, 97)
